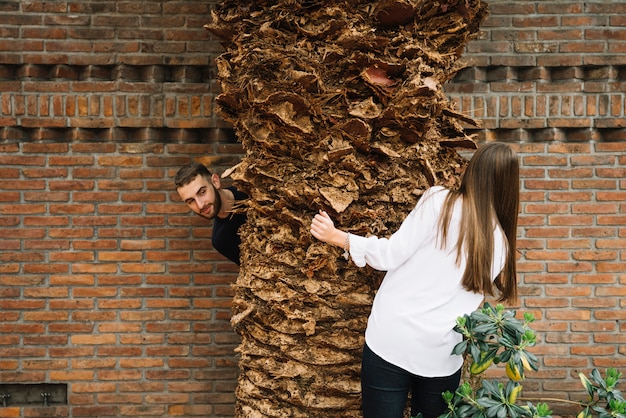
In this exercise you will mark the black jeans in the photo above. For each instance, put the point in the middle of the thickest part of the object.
(385, 389)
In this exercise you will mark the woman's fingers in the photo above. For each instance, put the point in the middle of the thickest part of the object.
(321, 225)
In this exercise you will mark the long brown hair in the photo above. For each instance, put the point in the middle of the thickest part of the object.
(490, 192)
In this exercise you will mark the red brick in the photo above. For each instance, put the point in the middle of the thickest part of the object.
(569, 196)
(593, 184)
(93, 339)
(569, 220)
(134, 411)
(96, 411)
(546, 184)
(11, 411)
(125, 399)
(594, 208)
(558, 60)
(607, 267)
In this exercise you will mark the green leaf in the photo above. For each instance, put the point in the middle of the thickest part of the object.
(586, 384)
(492, 388)
(505, 356)
(612, 377)
(513, 325)
(529, 317)
(475, 352)
(502, 411)
(529, 338)
(467, 411)
(617, 406)
(485, 328)
(460, 347)
(595, 375)
(543, 410)
(480, 317)
(464, 390)
(507, 342)
(487, 402)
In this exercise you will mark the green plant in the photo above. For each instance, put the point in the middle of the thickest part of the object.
(493, 335)
(603, 391)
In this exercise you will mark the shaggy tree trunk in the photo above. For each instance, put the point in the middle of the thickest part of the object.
(339, 106)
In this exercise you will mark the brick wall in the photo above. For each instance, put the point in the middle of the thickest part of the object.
(547, 71)
(109, 285)
(106, 71)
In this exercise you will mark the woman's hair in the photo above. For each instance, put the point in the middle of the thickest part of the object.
(490, 193)
(187, 173)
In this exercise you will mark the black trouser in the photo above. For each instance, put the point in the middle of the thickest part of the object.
(385, 389)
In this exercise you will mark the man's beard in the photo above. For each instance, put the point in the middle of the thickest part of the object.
(217, 205)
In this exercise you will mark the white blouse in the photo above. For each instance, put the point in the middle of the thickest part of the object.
(415, 310)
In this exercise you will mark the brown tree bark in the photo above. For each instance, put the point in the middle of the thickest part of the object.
(339, 106)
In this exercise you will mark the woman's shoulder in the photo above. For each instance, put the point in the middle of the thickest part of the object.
(436, 188)
(437, 192)
(433, 198)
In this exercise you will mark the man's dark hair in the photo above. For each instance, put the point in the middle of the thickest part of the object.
(187, 173)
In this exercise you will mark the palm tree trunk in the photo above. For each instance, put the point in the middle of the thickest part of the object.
(339, 106)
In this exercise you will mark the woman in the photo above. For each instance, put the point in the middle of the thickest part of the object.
(454, 248)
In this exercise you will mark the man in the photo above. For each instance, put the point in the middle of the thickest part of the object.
(202, 192)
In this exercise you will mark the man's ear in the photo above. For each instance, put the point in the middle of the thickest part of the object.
(215, 179)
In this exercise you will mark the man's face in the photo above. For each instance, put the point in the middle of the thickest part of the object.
(202, 197)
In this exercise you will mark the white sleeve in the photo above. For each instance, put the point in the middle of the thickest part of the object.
(419, 227)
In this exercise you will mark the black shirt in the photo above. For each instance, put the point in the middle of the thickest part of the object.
(225, 238)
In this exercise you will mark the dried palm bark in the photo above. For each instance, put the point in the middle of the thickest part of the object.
(339, 106)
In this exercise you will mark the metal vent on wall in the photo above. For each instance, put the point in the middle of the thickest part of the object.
(35, 394)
